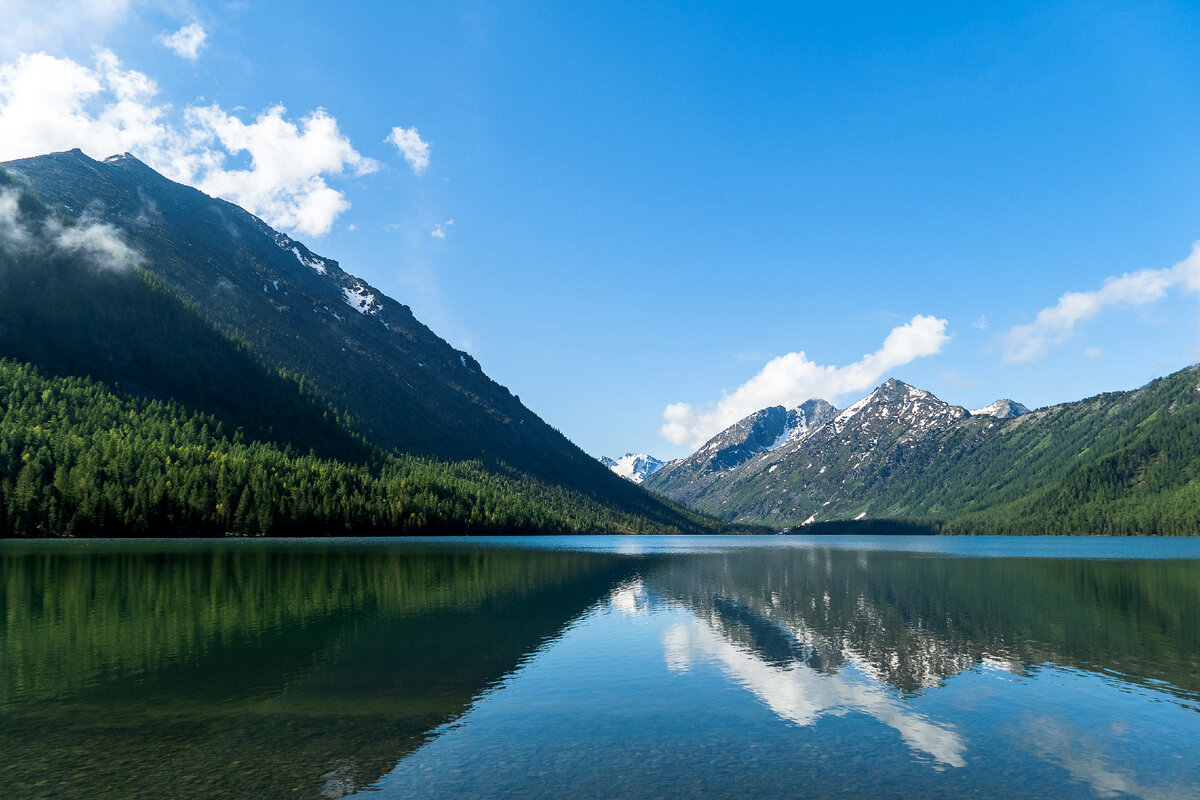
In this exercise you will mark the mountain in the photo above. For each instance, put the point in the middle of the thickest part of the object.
(760, 433)
(297, 310)
(836, 459)
(161, 294)
(1118, 463)
(635, 467)
(1001, 409)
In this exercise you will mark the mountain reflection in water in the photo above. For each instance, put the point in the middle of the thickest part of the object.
(801, 694)
(593, 667)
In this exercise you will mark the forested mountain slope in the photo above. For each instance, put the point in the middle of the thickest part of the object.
(160, 293)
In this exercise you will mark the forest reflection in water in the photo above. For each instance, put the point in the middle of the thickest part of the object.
(477, 667)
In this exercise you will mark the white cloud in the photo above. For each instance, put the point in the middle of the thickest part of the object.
(981, 323)
(14, 237)
(411, 146)
(31, 25)
(1056, 324)
(99, 244)
(49, 104)
(791, 379)
(1093, 353)
(439, 230)
(186, 42)
(288, 161)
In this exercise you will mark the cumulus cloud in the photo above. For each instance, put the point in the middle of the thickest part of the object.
(439, 230)
(53, 24)
(791, 379)
(186, 42)
(49, 103)
(288, 161)
(411, 146)
(99, 244)
(1056, 324)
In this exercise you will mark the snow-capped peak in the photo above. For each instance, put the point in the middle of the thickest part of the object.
(896, 400)
(635, 467)
(1001, 409)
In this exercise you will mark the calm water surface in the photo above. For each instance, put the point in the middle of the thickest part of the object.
(601, 667)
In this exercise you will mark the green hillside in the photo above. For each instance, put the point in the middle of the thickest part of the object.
(1120, 463)
(128, 409)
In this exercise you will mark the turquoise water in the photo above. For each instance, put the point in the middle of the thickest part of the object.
(601, 667)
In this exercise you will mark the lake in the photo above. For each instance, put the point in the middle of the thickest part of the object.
(601, 667)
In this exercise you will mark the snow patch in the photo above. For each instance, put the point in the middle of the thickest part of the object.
(360, 299)
(841, 419)
(311, 263)
(788, 434)
(860, 516)
(634, 467)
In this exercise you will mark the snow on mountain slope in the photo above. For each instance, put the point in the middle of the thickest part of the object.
(635, 467)
(1001, 409)
(826, 471)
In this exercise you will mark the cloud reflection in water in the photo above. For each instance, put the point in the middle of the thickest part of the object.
(801, 695)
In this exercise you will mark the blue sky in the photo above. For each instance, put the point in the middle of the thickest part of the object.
(665, 216)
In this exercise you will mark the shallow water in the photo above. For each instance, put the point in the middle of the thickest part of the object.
(601, 667)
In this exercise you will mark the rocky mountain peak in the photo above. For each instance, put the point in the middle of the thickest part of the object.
(809, 415)
(634, 467)
(1003, 408)
(895, 403)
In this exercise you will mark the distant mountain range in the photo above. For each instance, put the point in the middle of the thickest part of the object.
(1117, 463)
(634, 467)
(158, 293)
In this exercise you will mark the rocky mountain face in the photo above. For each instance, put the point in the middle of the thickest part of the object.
(363, 350)
(762, 432)
(1118, 463)
(825, 471)
(634, 467)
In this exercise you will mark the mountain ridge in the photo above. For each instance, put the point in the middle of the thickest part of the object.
(213, 279)
(1122, 462)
